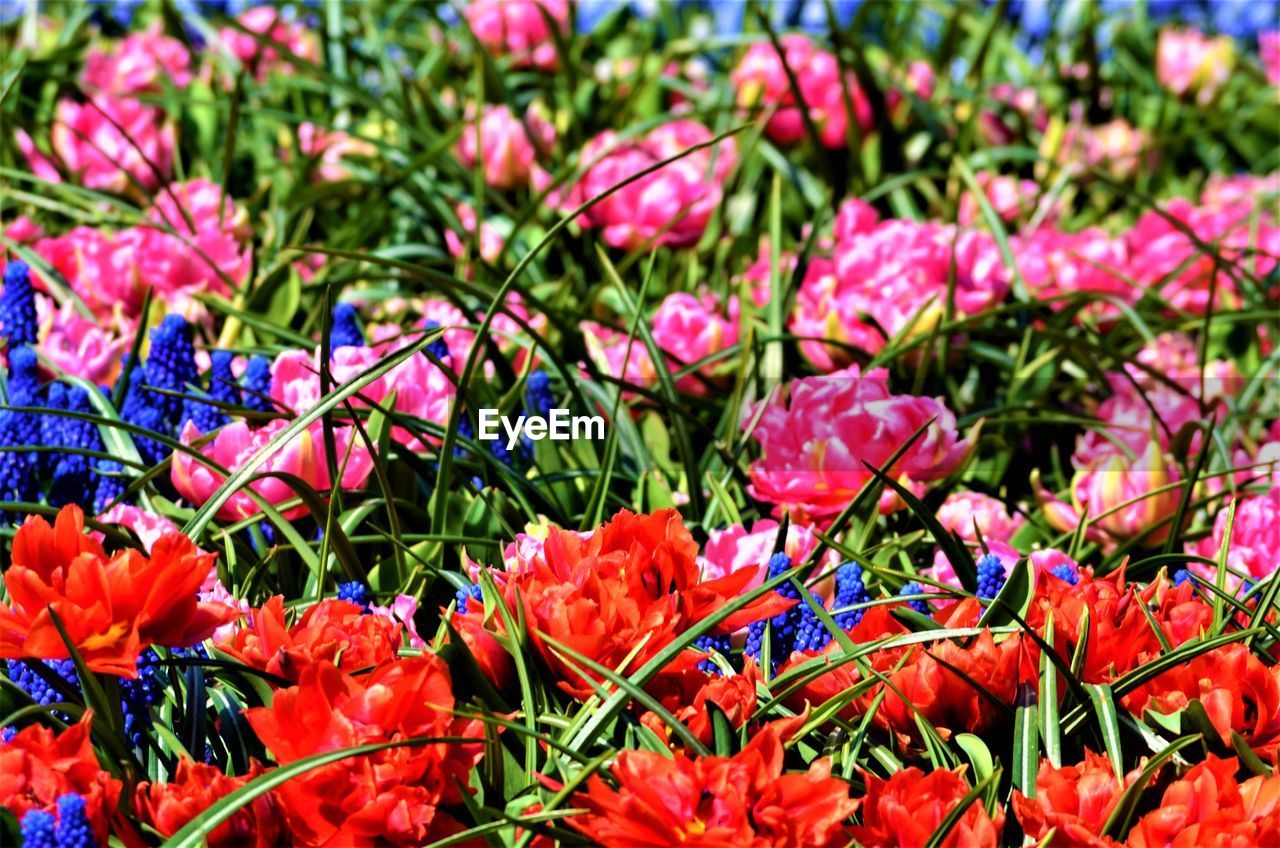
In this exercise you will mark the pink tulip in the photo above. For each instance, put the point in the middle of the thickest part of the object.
(402, 610)
(1011, 198)
(1057, 265)
(505, 145)
(815, 436)
(1254, 549)
(1174, 357)
(146, 525)
(671, 206)
(331, 147)
(735, 548)
(519, 29)
(1164, 258)
(100, 269)
(303, 456)
(762, 82)
(962, 511)
(491, 241)
(80, 346)
(1124, 496)
(1116, 147)
(106, 143)
(686, 327)
(271, 35)
(898, 275)
(1189, 64)
(422, 390)
(137, 64)
(1269, 52)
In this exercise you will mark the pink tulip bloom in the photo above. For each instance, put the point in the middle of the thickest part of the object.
(686, 327)
(1190, 64)
(421, 389)
(146, 525)
(961, 511)
(80, 346)
(1124, 497)
(671, 206)
(1254, 549)
(735, 548)
(519, 29)
(491, 240)
(1163, 257)
(402, 610)
(99, 268)
(1269, 52)
(1116, 147)
(331, 147)
(762, 82)
(303, 457)
(1174, 357)
(1012, 199)
(106, 143)
(505, 145)
(271, 36)
(137, 64)
(890, 280)
(1057, 265)
(815, 436)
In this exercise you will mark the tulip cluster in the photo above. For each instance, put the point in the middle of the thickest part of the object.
(928, 494)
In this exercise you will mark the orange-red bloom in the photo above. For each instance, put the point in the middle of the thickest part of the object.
(621, 595)
(168, 807)
(113, 607)
(725, 802)
(1208, 808)
(37, 767)
(905, 811)
(331, 631)
(1237, 690)
(687, 693)
(393, 796)
(1074, 802)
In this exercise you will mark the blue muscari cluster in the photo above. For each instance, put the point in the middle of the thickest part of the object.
(171, 367)
(911, 589)
(711, 642)
(811, 633)
(991, 576)
(851, 590)
(1181, 576)
(69, 471)
(1067, 572)
(782, 627)
(71, 828)
(257, 384)
(538, 398)
(345, 331)
(137, 696)
(19, 469)
(467, 594)
(355, 592)
(18, 321)
(438, 348)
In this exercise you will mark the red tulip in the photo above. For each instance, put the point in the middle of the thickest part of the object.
(1074, 802)
(619, 595)
(1237, 690)
(113, 607)
(686, 693)
(168, 807)
(38, 767)
(905, 811)
(1208, 807)
(727, 802)
(331, 631)
(392, 796)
